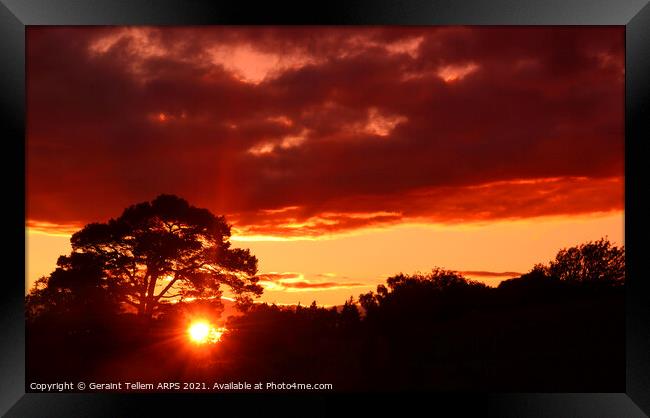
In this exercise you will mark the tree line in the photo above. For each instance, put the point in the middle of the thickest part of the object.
(118, 304)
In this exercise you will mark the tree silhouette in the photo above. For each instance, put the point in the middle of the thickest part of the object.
(167, 249)
(77, 288)
(592, 262)
(433, 291)
(349, 317)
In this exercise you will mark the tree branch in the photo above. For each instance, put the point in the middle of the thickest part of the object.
(170, 296)
(169, 285)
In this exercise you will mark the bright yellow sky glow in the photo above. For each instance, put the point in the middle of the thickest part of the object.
(356, 263)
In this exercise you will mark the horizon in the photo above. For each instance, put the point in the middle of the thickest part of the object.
(58, 244)
(341, 156)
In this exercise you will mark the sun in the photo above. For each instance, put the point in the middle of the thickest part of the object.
(199, 332)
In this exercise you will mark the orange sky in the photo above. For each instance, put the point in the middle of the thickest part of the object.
(341, 155)
(355, 263)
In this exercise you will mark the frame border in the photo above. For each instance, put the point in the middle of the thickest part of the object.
(15, 15)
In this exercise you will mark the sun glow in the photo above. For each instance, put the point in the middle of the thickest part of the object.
(202, 332)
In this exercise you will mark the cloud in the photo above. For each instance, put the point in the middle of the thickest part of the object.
(296, 282)
(321, 285)
(507, 200)
(310, 131)
(279, 276)
(53, 228)
(478, 273)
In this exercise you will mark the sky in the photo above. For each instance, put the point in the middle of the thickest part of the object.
(340, 155)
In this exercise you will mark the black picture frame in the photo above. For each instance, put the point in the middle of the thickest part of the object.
(15, 15)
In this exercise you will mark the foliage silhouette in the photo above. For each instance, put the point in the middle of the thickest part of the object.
(592, 262)
(76, 290)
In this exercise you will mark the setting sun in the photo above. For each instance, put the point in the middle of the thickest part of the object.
(202, 332)
(199, 332)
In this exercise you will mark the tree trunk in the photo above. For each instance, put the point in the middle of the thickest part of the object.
(141, 307)
(150, 298)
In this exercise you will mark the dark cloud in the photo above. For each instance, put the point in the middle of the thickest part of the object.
(348, 127)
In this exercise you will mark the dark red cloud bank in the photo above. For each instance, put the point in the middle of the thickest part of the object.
(304, 131)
